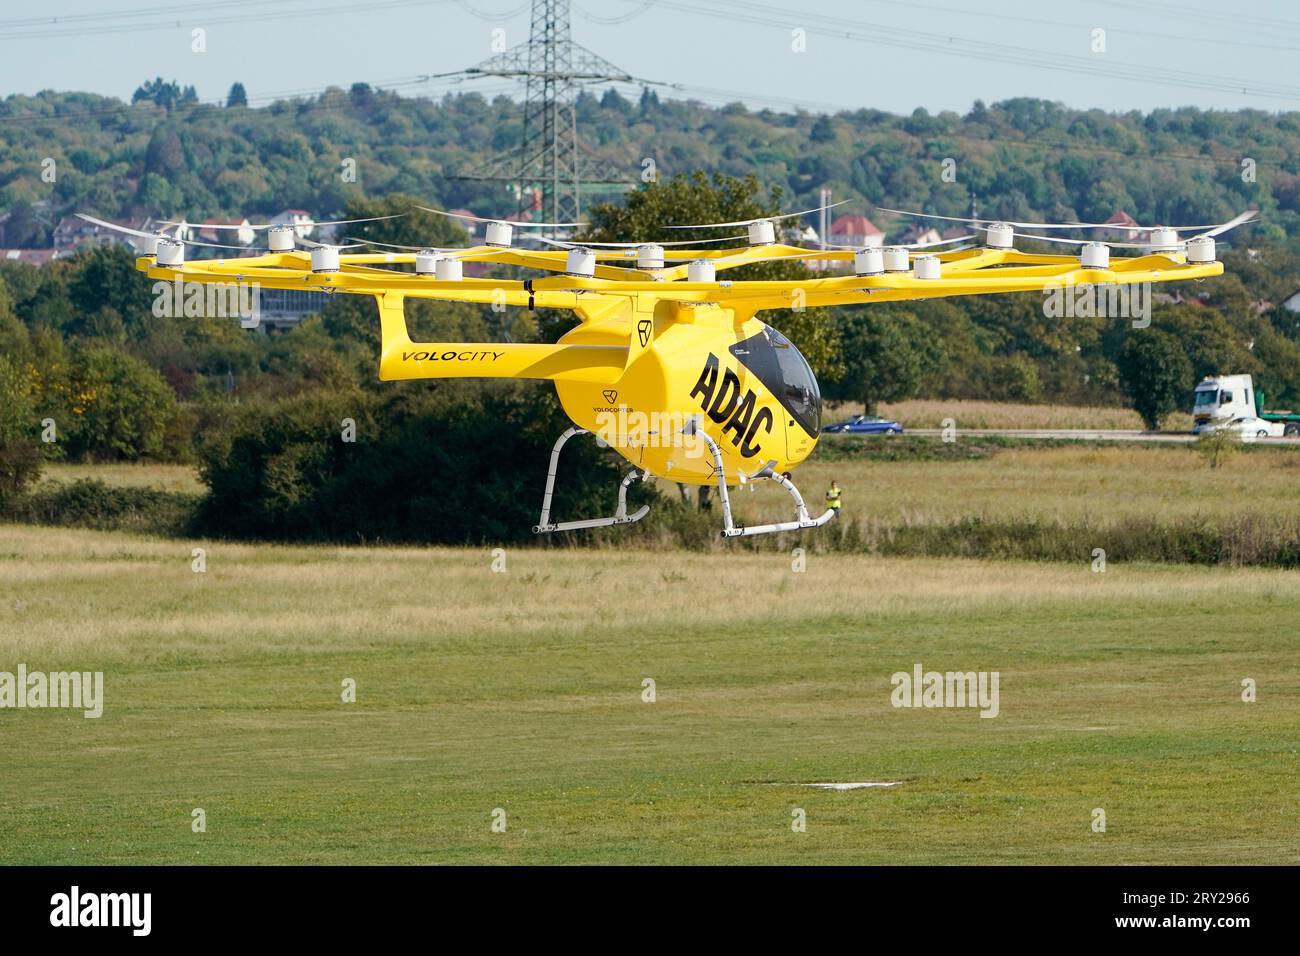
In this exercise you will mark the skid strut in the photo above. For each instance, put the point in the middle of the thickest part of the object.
(620, 516)
(729, 528)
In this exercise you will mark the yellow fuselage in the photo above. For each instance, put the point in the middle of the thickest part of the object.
(688, 368)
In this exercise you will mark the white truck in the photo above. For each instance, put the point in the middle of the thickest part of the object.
(1232, 402)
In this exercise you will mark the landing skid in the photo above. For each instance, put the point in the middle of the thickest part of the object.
(729, 528)
(620, 516)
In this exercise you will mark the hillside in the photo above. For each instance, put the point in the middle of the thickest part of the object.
(1023, 158)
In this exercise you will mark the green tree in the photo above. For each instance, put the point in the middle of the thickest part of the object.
(120, 406)
(1154, 373)
(237, 96)
(166, 94)
(24, 230)
(106, 278)
(20, 456)
(823, 130)
(884, 356)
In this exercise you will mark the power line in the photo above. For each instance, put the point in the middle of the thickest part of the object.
(983, 14)
(619, 19)
(190, 21)
(947, 45)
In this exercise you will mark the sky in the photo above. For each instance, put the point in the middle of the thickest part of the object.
(893, 55)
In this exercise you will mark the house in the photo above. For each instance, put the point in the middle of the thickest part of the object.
(73, 233)
(31, 257)
(857, 232)
(469, 225)
(226, 231)
(801, 235)
(1121, 219)
(923, 235)
(300, 219)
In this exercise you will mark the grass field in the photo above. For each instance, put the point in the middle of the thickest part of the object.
(522, 691)
(1061, 482)
(163, 477)
(930, 413)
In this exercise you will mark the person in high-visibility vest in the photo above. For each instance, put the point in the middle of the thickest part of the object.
(833, 498)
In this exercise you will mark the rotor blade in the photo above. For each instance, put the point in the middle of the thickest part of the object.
(508, 222)
(940, 242)
(1247, 216)
(267, 225)
(393, 245)
(741, 260)
(1010, 222)
(152, 235)
(386, 245)
(1084, 242)
(116, 228)
(634, 245)
(926, 215)
(312, 244)
(747, 222)
(1215, 228)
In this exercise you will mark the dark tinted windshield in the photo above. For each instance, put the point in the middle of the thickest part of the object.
(785, 373)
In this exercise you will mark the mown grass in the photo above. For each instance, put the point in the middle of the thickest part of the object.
(523, 690)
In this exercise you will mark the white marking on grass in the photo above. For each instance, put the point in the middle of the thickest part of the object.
(850, 786)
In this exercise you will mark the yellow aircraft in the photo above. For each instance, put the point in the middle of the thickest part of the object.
(670, 364)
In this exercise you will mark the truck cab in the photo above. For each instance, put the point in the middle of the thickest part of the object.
(1221, 399)
(1231, 402)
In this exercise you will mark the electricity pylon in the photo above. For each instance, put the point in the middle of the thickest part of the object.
(551, 155)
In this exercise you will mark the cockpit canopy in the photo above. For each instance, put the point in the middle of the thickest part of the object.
(785, 373)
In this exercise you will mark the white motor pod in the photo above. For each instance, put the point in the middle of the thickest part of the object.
(1164, 239)
(1000, 235)
(896, 259)
(762, 233)
(171, 252)
(928, 267)
(650, 256)
(150, 246)
(281, 238)
(426, 261)
(1200, 249)
(499, 234)
(1094, 255)
(580, 262)
(325, 259)
(449, 269)
(701, 270)
(869, 261)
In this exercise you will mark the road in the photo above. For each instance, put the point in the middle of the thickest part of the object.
(1083, 434)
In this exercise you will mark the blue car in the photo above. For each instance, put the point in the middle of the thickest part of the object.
(865, 425)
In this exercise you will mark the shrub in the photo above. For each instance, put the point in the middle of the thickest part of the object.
(93, 504)
(454, 466)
